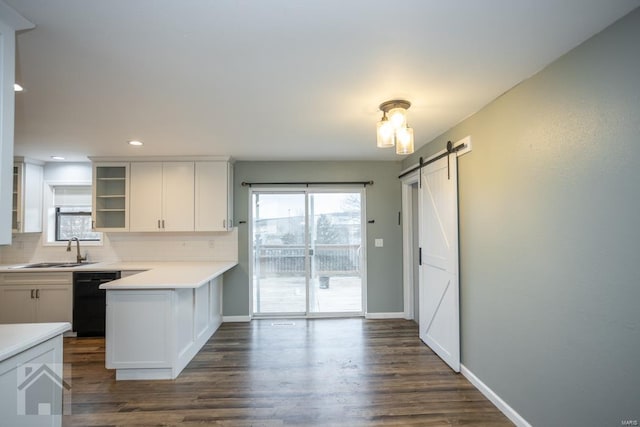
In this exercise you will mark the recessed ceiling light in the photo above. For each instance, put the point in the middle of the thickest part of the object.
(17, 87)
(57, 158)
(135, 142)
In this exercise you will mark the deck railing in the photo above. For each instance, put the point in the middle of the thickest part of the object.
(325, 260)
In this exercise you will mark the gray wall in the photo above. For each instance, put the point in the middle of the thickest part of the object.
(384, 265)
(550, 237)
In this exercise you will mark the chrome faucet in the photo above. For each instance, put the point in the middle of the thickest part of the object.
(79, 257)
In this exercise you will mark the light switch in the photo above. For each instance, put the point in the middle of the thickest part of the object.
(379, 243)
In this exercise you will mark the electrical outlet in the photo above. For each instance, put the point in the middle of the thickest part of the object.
(379, 243)
(212, 244)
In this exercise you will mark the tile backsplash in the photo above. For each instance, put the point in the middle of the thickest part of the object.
(220, 246)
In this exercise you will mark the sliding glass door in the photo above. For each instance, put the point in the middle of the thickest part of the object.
(279, 257)
(307, 252)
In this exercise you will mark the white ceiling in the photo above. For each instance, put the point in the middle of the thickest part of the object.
(277, 79)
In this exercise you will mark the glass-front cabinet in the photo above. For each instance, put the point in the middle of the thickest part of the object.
(26, 210)
(111, 196)
(15, 214)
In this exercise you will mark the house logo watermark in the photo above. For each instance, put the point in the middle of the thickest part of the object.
(41, 389)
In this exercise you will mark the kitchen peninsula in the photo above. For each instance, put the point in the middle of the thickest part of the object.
(158, 320)
(31, 358)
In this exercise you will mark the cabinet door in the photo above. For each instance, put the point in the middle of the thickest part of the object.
(16, 304)
(54, 303)
(211, 196)
(177, 196)
(145, 191)
(32, 198)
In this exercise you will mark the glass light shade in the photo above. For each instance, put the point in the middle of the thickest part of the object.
(404, 138)
(384, 130)
(398, 117)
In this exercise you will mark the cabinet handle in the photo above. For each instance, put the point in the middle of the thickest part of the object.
(163, 223)
(158, 223)
(93, 225)
(38, 293)
(32, 292)
(224, 224)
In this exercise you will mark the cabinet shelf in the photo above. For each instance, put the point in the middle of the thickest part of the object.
(111, 196)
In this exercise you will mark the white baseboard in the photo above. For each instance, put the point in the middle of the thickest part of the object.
(235, 319)
(398, 315)
(516, 418)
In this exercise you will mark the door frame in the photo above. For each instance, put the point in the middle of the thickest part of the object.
(407, 225)
(363, 253)
(407, 243)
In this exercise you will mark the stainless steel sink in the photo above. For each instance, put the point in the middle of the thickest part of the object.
(74, 264)
(54, 264)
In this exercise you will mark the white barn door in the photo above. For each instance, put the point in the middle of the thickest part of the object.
(439, 286)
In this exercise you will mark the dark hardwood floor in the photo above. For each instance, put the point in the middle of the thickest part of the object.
(329, 372)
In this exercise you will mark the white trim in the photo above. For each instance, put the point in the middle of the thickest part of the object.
(467, 142)
(136, 159)
(329, 188)
(396, 315)
(48, 214)
(407, 243)
(507, 410)
(236, 319)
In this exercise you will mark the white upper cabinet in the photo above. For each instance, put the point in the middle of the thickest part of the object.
(154, 194)
(214, 196)
(111, 196)
(10, 22)
(26, 215)
(177, 196)
(162, 196)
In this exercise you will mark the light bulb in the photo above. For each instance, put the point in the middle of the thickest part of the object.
(398, 117)
(385, 133)
(404, 137)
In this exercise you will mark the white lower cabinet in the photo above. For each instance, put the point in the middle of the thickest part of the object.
(31, 379)
(36, 297)
(154, 333)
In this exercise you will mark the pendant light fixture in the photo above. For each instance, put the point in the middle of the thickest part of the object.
(392, 129)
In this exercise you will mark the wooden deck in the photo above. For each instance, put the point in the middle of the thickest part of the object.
(329, 372)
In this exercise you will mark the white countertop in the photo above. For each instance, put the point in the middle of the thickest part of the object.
(168, 275)
(19, 337)
(154, 274)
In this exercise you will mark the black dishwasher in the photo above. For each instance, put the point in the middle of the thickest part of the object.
(89, 301)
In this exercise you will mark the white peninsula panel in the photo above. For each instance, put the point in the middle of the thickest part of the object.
(154, 328)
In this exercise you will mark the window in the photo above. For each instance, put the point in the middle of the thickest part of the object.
(73, 213)
(74, 222)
